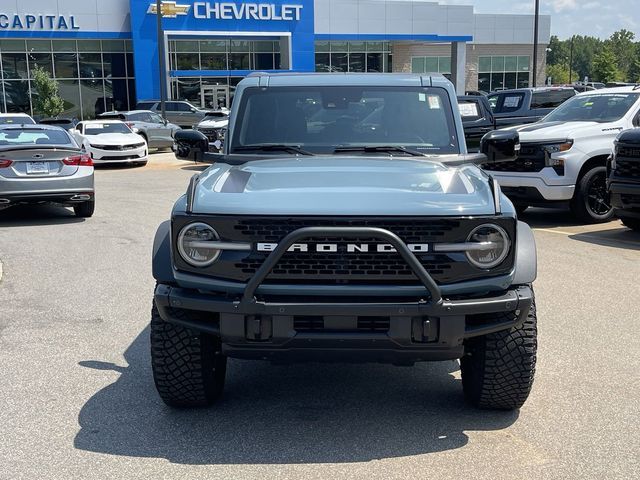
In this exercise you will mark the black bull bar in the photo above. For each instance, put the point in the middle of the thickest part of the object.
(518, 298)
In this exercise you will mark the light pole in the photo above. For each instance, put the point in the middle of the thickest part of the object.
(571, 60)
(161, 59)
(535, 44)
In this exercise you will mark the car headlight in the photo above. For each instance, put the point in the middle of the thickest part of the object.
(488, 246)
(99, 147)
(556, 148)
(192, 244)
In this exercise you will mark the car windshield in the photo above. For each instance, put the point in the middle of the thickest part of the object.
(17, 120)
(602, 108)
(34, 136)
(321, 119)
(100, 128)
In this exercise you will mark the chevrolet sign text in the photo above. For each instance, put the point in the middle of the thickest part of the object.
(246, 11)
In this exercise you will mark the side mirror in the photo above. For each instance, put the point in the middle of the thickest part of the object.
(135, 130)
(500, 146)
(193, 110)
(190, 144)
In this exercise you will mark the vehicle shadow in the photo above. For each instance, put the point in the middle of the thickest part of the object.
(549, 218)
(196, 167)
(623, 238)
(29, 215)
(306, 413)
(116, 166)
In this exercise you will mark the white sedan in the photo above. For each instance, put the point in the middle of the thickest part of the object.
(111, 141)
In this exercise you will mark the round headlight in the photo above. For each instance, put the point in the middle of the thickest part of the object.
(192, 244)
(490, 246)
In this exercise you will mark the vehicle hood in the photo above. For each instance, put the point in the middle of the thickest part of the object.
(543, 131)
(114, 138)
(346, 185)
(218, 123)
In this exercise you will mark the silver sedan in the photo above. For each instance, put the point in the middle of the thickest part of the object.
(41, 164)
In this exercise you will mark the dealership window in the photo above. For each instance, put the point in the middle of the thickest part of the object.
(431, 65)
(225, 54)
(338, 56)
(500, 72)
(93, 75)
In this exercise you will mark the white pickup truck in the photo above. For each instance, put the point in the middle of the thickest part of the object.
(563, 157)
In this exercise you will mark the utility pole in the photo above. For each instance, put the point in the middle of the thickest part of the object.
(535, 44)
(571, 60)
(161, 60)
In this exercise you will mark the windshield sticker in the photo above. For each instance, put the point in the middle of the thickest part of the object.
(468, 110)
(511, 102)
(422, 97)
(434, 102)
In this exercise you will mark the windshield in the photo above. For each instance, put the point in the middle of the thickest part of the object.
(100, 128)
(320, 119)
(34, 136)
(599, 108)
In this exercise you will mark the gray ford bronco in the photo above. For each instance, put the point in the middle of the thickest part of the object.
(344, 221)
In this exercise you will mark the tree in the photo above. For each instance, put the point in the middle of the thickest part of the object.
(623, 48)
(558, 73)
(47, 100)
(605, 66)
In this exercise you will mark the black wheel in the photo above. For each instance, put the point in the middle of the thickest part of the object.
(188, 369)
(498, 369)
(520, 208)
(591, 201)
(632, 223)
(84, 209)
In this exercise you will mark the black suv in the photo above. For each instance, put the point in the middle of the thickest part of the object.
(624, 178)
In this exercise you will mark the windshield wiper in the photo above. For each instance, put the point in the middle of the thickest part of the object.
(380, 148)
(272, 147)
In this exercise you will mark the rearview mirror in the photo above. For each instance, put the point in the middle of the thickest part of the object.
(190, 145)
(500, 146)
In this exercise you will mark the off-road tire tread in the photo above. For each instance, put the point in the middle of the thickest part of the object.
(498, 369)
(187, 369)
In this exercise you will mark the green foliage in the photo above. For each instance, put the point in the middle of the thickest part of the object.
(558, 73)
(593, 57)
(605, 66)
(47, 101)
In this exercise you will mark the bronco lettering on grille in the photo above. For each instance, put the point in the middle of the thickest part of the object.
(348, 247)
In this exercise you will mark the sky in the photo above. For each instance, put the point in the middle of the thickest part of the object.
(599, 18)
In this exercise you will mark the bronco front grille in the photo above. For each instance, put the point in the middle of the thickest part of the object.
(531, 159)
(342, 267)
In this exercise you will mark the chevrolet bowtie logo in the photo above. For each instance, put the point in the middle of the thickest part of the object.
(169, 9)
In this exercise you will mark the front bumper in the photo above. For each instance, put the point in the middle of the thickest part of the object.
(625, 199)
(415, 331)
(546, 191)
(118, 156)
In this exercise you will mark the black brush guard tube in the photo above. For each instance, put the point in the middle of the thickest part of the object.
(234, 312)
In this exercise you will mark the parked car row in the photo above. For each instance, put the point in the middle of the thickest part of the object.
(566, 157)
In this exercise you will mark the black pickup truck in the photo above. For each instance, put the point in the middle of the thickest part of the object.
(477, 119)
(527, 105)
(623, 182)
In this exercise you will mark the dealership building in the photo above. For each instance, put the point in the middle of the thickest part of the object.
(104, 53)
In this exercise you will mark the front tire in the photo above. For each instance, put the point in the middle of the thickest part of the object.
(632, 223)
(590, 202)
(498, 369)
(85, 209)
(188, 369)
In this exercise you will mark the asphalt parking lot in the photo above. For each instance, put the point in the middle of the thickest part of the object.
(78, 399)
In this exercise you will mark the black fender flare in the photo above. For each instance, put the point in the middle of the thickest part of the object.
(526, 256)
(162, 263)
